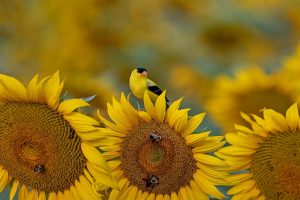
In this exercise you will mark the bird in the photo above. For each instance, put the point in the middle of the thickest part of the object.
(139, 83)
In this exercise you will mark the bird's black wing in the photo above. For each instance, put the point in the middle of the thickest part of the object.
(156, 90)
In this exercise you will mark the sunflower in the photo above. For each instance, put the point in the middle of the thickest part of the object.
(232, 42)
(249, 92)
(266, 156)
(291, 68)
(154, 154)
(46, 147)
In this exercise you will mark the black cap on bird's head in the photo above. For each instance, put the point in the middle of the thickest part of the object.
(142, 71)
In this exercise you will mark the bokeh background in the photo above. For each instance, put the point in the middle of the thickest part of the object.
(223, 56)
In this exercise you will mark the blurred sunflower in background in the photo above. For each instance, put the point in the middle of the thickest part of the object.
(265, 156)
(232, 42)
(46, 146)
(291, 68)
(249, 91)
(155, 154)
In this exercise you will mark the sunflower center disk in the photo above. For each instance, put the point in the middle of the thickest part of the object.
(156, 157)
(276, 166)
(39, 147)
(170, 159)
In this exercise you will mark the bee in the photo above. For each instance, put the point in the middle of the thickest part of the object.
(38, 169)
(155, 137)
(151, 181)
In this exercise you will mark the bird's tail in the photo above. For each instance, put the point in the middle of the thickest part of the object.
(168, 103)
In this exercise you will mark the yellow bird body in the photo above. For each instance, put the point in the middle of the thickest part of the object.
(139, 83)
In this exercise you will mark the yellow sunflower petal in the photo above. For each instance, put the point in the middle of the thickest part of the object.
(114, 164)
(139, 194)
(275, 121)
(105, 142)
(181, 123)
(240, 141)
(191, 194)
(246, 117)
(12, 88)
(159, 197)
(160, 107)
(132, 193)
(193, 124)
(251, 194)
(13, 190)
(182, 194)
(149, 105)
(67, 195)
(129, 109)
(238, 178)
(23, 192)
(207, 186)
(206, 147)
(151, 197)
(129, 194)
(111, 155)
(259, 120)
(94, 156)
(194, 139)
(118, 118)
(42, 196)
(60, 196)
(167, 197)
(32, 195)
(258, 130)
(110, 132)
(52, 196)
(199, 194)
(237, 151)
(85, 190)
(111, 148)
(177, 117)
(52, 90)
(243, 129)
(292, 117)
(79, 118)
(174, 196)
(110, 124)
(68, 106)
(144, 196)
(244, 186)
(212, 172)
(238, 165)
(3, 179)
(207, 159)
(145, 116)
(123, 184)
(33, 92)
(95, 135)
(173, 107)
(74, 193)
(101, 176)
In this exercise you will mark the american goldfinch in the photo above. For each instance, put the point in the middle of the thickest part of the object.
(139, 83)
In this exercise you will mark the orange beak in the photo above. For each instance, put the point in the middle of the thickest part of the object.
(144, 73)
